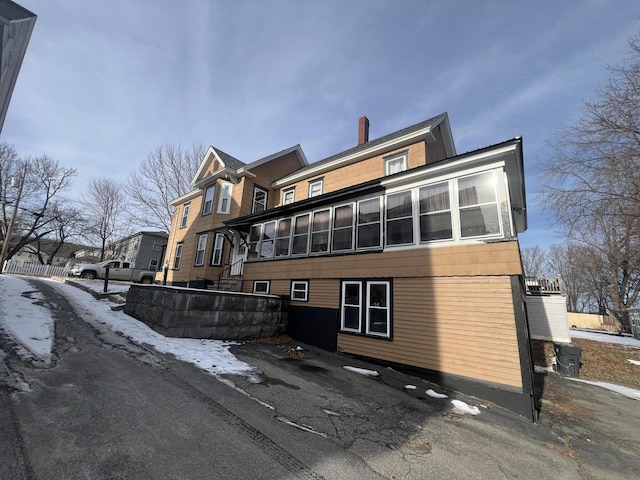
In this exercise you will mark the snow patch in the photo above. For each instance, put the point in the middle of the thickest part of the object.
(361, 371)
(433, 394)
(462, 408)
(635, 362)
(626, 391)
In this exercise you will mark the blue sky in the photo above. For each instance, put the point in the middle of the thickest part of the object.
(104, 83)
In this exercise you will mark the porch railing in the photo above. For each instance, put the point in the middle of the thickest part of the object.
(543, 285)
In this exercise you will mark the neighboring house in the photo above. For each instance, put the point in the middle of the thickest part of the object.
(143, 249)
(27, 254)
(397, 250)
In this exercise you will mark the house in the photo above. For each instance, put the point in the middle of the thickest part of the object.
(143, 249)
(200, 246)
(398, 250)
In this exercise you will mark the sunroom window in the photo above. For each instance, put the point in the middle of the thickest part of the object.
(399, 218)
(435, 213)
(343, 228)
(478, 205)
(320, 232)
(368, 232)
(254, 240)
(300, 235)
(268, 237)
(283, 237)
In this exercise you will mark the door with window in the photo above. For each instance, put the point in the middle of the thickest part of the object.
(238, 255)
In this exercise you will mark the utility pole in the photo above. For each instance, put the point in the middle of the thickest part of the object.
(7, 238)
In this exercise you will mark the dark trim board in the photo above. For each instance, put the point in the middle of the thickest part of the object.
(314, 325)
(513, 400)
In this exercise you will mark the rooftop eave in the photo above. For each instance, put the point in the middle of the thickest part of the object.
(224, 173)
(393, 144)
(296, 148)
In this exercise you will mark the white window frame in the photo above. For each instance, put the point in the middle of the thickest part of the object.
(255, 203)
(411, 217)
(218, 248)
(278, 237)
(380, 221)
(313, 232)
(395, 159)
(343, 305)
(207, 204)
(312, 186)
(300, 287)
(201, 249)
(294, 235)
(289, 192)
(368, 307)
(225, 196)
(185, 215)
(351, 227)
(449, 210)
(257, 286)
(177, 255)
(459, 209)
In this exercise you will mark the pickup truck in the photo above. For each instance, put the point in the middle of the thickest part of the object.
(117, 271)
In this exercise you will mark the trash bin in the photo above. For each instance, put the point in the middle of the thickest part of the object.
(568, 359)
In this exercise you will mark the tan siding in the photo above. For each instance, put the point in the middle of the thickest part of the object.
(359, 172)
(501, 258)
(441, 332)
(452, 306)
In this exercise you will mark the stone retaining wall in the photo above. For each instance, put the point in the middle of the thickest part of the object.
(194, 313)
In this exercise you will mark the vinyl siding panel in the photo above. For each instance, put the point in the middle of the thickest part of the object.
(452, 306)
(501, 258)
(359, 172)
(466, 327)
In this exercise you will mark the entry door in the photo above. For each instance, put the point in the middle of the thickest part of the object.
(238, 255)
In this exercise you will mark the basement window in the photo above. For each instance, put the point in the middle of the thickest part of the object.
(261, 286)
(300, 290)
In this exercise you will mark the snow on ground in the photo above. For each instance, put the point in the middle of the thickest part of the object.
(433, 394)
(361, 371)
(627, 392)
(635, 362)
(25, 317)
(28, 323)
(463, 408)
(600, 336)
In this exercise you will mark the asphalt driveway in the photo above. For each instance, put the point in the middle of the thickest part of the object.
(584, 432)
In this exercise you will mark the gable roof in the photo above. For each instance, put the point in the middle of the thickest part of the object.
(387, 142)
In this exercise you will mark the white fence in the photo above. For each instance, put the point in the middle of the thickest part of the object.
(33, 269)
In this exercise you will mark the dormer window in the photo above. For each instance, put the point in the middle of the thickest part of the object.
(395, 164)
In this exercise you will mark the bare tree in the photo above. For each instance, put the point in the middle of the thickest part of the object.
(593, 182)
(533, 261)
(104, 208)
(166, 174)
(41, 181)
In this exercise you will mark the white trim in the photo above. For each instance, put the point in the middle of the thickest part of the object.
(305, 290)
(204, 199)
(201, 249)
(394, 158)
(259, 282)
(256, 189)
(184, 218)
(179, 247)
(343, 304)
(228, 195)
(387, 307)
(217, 248)
(291, 190)
(315, 182)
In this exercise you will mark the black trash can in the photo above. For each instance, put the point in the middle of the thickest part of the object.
(568, 359)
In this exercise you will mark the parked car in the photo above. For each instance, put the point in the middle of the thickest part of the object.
(117, 271)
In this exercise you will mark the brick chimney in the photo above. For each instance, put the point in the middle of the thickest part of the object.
(363, 130)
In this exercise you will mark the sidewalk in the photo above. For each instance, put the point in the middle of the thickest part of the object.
(408, 434)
